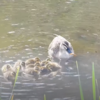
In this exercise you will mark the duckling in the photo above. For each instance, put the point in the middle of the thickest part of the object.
(45, 70)
(33, 65)
(38, 66)
(44, 62)
(19, 64)
(29, 66)
(8, 73)
(30, 72)
(55, 67)
(32, 61)
(60, 49)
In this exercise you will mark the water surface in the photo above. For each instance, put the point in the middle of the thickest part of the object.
(26, 30)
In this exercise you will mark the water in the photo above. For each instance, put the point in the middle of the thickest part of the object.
(27, 28)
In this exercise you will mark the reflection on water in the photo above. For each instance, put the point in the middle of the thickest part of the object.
(27, 28)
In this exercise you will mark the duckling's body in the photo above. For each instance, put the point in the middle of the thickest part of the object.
(33, 65)
(45, 62)
(37, 66)
(55, 67)
(60, 49)
(8, 73)
(19, 64)
(30, 72)
(45, 70)
(32, 61)
(29, 66)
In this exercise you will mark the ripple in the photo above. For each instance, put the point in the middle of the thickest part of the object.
(22, 28)
(15, 24)
(6, 19)
(33, 84)
(57, 99)
(4, 88)
(22, 90)
(8, 61)
(51, 84)
(39, 84)
(11, 32)
(6, 93)
(49, 91)
(40, 87)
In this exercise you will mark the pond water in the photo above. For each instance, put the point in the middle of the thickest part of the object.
(26, 30)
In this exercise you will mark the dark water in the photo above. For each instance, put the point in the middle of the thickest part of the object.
(27, 28)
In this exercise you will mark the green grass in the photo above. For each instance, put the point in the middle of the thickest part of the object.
(44, 97)
(80, 87)
(16, 77)
(93, 82)
(12, 96)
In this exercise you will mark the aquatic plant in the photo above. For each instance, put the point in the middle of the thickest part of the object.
(12, 96)
(44, 97)
(93, 82)
(80, 87)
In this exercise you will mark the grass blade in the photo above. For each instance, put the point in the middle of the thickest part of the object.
(16, 77)
(81, 92)
(12, 96)
(93, 82)
(44, 97)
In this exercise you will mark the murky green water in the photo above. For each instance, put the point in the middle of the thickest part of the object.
(27, 28)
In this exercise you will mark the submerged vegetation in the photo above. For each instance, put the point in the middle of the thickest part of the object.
(94, 84)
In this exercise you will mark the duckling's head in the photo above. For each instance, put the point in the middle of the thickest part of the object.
(48, 59)
(6, 67)
(22, 64)
(43, 63)
(22, 67)
(37, 64)
(19, 65)
(36, 59)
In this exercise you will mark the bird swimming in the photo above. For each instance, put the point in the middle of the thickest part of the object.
(19, 64)
(8, 73)
(60, 49)
(32, 61)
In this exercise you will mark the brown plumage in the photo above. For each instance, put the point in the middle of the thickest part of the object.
(19, 64)
(45, 70)
(54, 66)
(30, 72)
(32, 61)
(8, 73)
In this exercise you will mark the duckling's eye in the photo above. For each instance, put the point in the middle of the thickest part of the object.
(8, 67)
(23, 63)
